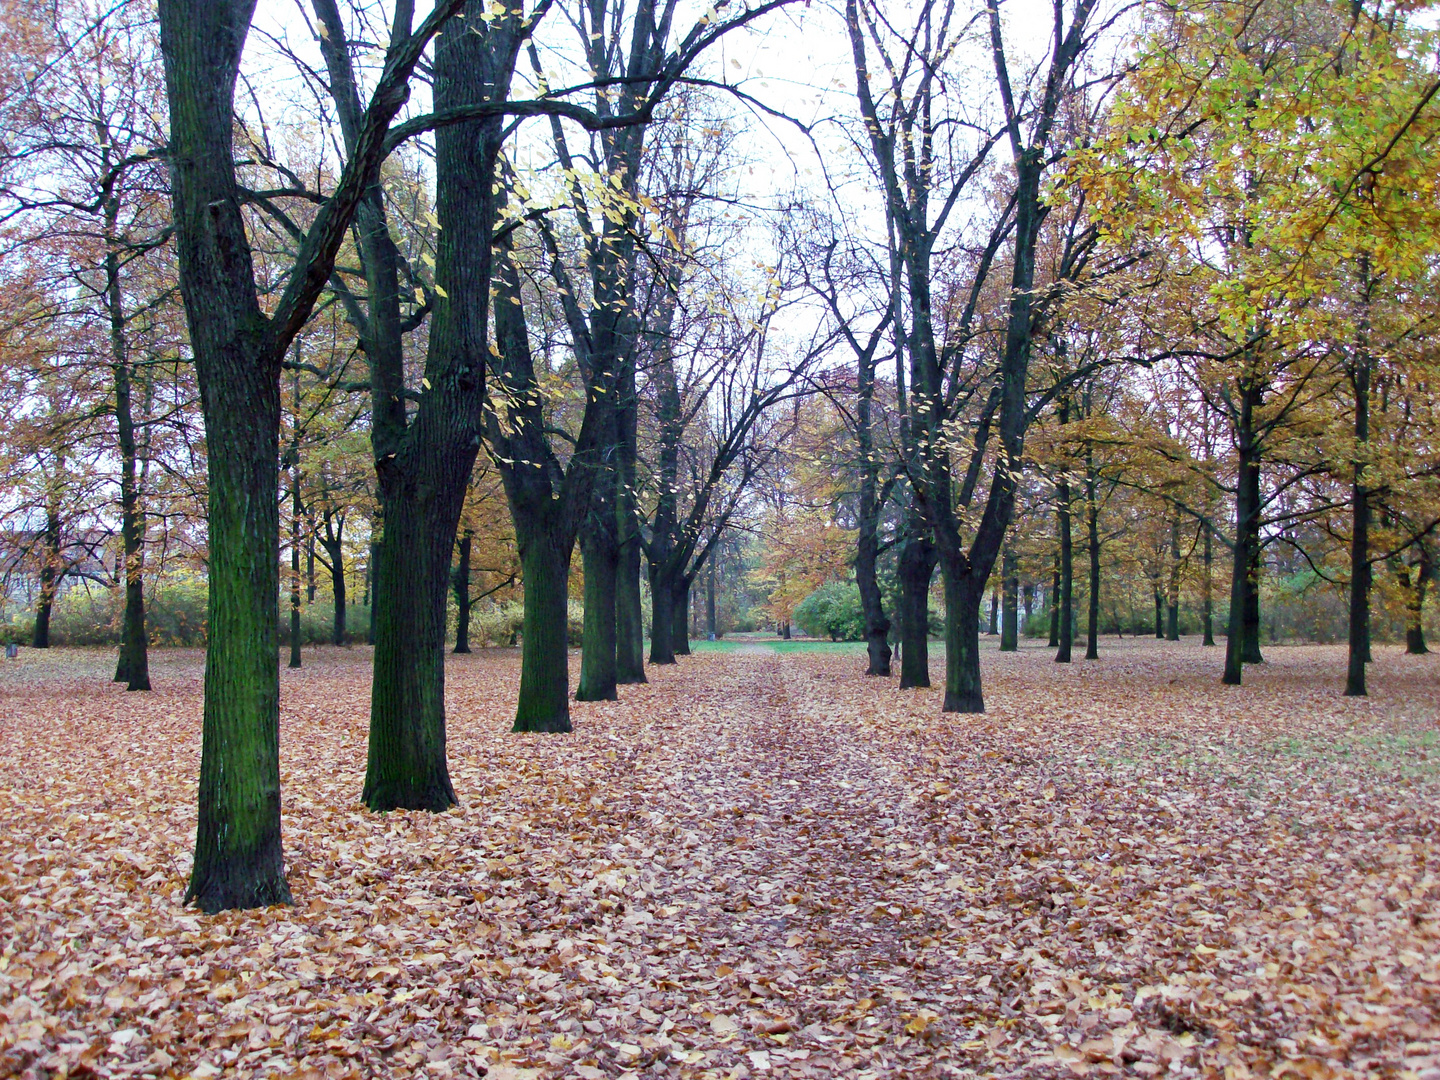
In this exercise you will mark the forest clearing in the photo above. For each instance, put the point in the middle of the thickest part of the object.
(759, 865)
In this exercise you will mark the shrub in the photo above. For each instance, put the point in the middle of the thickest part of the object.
(832, 611)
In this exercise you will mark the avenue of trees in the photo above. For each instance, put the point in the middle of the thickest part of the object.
(481, 322)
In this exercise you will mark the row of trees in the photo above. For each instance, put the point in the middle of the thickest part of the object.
(1187, 287)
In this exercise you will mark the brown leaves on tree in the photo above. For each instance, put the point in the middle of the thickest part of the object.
(759, 864)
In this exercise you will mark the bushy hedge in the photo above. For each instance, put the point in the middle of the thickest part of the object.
(832, 611)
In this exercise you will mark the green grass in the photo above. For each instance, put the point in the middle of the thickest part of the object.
(779, 645)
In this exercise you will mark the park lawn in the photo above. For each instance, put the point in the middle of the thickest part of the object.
(761, 863)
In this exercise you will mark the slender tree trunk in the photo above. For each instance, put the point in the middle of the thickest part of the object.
(1252, 594)
(1172, 598)
(1092, 531)
(1159, 611)
(1207, 599)
(1054, 642)
(916, 566)
(1423, 570)
(1010, 614)
(462, 595)
(49, 575)
(629, 616)
(1247, 516)
(372, 579)
(133, 665)
(1067, 574)
(877, 624)
(962, 639)
(295, 659)
(310, 567)
(1360, 570)
(994, 627)
(710, 634)
(335, 553)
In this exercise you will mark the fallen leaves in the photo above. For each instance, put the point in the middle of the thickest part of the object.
(757, 864)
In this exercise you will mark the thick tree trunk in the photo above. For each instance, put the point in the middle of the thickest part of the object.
(544, 662)
(916, 566)
(680, 612)
(462, 595)
(406, 768)
(662, 617)
(1172, 597)
(238, 861)
(1066, 626)
(629, 617)
(600, 557)
(1010, 613)
(962, 639)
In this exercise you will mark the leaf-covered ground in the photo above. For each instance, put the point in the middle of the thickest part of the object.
(758, 865)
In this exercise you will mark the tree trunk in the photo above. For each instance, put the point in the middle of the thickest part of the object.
(680, 611)
(1207, 599)
(1159, 611)
(335, 552)
(1239, 643)
(600, 556)
(877, 625)
(662, 617)
(710, 634)
(1054, 642)
(1360, 570)
(406, 767)
(1067, 573)
(544, 662)
(1423, 570)
(133, 665)
(49, 575)
(785, 630)
(962, 639)
(295, 660)
(629, 616)
(1010, 613)
(462, 595)
(372, 579)
(1172, 598)
(310, 567)
(994, 627)
(1092, 537)
(1252, 594)
(916, 566)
